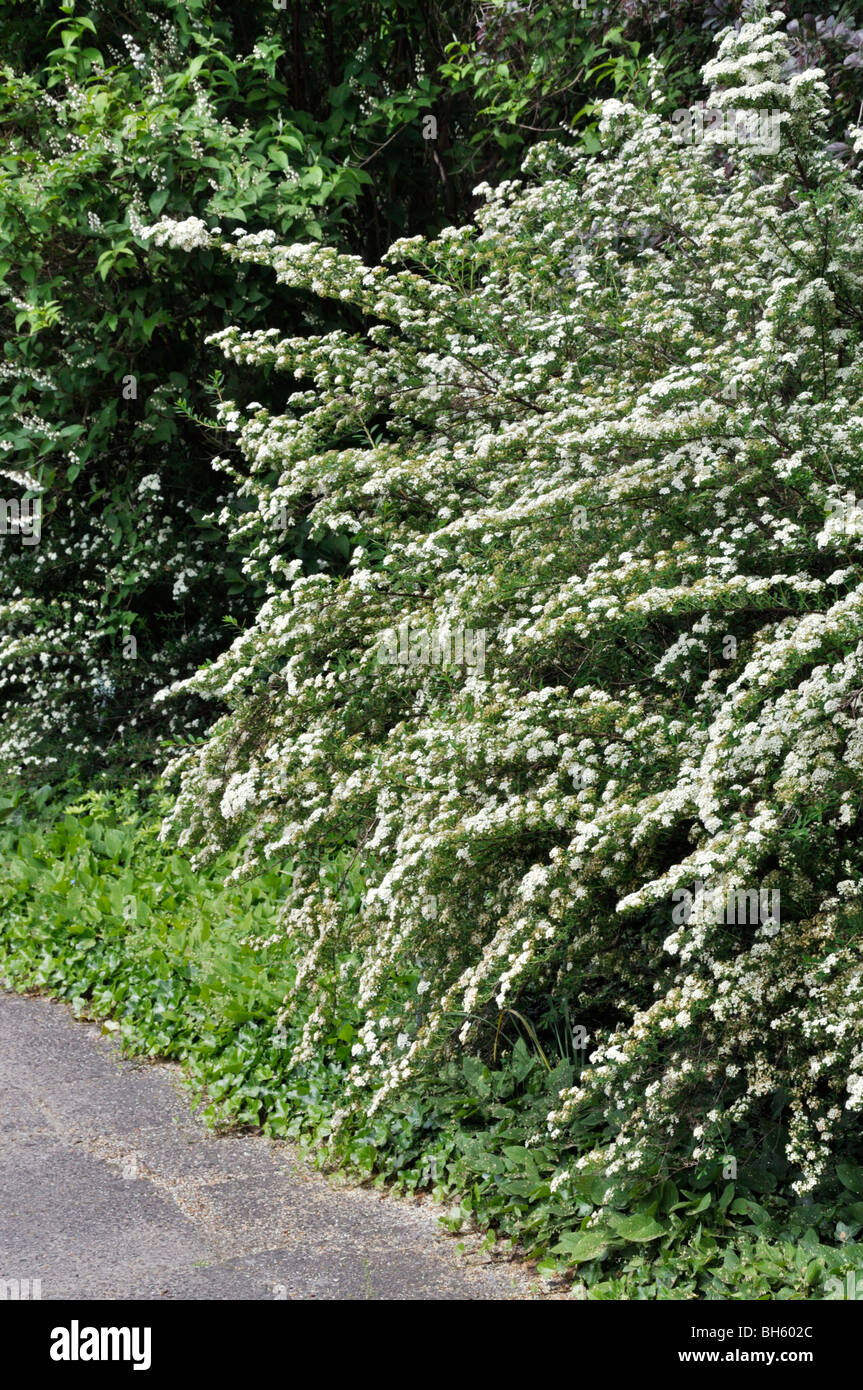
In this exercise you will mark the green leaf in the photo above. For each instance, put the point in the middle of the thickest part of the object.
(583, 1245)
(850, 1177)
(746, 1207)
(476, 1075)
(639, 1227)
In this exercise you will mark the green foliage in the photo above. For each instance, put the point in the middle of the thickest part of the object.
(104, 335)
(97, 910)
(554, 428)
(534, 68)
(616, 440)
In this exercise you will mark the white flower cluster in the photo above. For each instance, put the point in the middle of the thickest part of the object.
(188, 235)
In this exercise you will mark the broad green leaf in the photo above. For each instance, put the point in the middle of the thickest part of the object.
(638, 1227)
(583, 1245)
(850, 1177)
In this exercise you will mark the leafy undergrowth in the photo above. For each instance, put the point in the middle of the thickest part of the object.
(94, 909)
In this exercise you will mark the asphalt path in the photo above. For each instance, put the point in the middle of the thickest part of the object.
(111, 1189)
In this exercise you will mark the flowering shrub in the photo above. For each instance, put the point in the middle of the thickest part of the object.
(312, 123)
(612, 428)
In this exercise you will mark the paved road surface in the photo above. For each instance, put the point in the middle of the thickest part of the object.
(110, 1189)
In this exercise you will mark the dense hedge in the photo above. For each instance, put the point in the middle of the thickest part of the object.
(616, 435)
